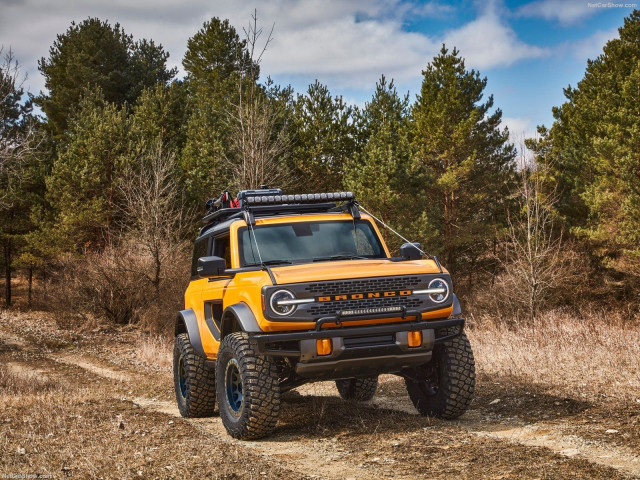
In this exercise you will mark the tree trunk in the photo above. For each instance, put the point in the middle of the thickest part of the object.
(532, 303)
(156, 280)
(44, 284)
(7, 271)
(30, 290)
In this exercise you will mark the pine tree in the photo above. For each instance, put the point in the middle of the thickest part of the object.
(83, 184)
(21, 179)
(325, 139)
(216, 57)
(95, 54)
(462, 162)
(215, 54)
(593, 148)
(378, 174)
(161, 114)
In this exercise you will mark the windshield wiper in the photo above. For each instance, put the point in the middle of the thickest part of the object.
(340, 256)
(269, 262)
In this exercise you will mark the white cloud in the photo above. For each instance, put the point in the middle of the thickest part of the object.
(346, 43)
(563, 11)
(488, 42)
(591, 47)
(431, 9)
(520, 128)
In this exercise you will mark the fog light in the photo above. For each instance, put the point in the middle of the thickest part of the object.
(415, 338)
(324, 346)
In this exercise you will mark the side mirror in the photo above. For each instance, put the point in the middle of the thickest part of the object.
(411, 251)
(211, 266)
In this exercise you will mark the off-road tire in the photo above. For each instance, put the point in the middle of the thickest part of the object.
(257, 413)
(444, 387)
(357, 389)
(196, 397)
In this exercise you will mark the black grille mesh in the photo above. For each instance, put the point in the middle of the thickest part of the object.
(363, 285)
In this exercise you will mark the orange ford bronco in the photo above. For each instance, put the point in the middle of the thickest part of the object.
(290, 289)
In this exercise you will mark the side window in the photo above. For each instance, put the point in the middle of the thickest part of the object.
(222, 249)
(199, 250)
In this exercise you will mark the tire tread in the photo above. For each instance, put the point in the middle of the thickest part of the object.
(200, 398)
(456, 391)
(261, 389)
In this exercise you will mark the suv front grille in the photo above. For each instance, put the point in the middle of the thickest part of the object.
(370, 297)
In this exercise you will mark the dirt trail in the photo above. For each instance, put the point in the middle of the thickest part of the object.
(291, 453)
(382, 439)
(540, 434)
(295, 455)
(83, 363)
(547, 436)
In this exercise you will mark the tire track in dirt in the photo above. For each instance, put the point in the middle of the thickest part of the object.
(622, 460)
(98, 370)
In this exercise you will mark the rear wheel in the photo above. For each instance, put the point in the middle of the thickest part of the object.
(194, 380)
(248, 389)
(444, 387)
(358, 389)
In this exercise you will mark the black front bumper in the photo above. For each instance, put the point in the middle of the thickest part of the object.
(357, 350)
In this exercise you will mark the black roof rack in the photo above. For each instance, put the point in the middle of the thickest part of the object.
(271, 201)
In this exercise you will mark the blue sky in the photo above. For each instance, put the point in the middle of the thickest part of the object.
(528, 50)
(528, 88)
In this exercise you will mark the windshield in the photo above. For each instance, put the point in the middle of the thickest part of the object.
(309, 241)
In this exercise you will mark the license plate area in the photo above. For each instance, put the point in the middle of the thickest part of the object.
(369, 341)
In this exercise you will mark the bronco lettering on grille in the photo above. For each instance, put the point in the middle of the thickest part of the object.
(361, 296)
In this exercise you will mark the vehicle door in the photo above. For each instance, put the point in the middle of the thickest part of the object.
(213, 291)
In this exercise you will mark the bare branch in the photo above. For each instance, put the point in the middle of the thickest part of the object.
(259, 143)
(536, 261)
(154, 209)
(18, 139)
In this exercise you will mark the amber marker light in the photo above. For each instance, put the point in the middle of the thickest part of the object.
(324, 346)
(263, 305)
(415, 338)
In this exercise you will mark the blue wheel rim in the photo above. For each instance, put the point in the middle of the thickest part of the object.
(233, 384)
(182, 377)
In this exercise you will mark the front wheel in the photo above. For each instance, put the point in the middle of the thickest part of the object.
(194, 380)
(444, 387)
(248, 389)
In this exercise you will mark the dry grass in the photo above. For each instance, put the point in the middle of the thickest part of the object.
(591, 355)
(155, 350)
(21, 381)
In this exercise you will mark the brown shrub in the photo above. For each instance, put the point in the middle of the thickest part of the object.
(117, 285)
(507, 294)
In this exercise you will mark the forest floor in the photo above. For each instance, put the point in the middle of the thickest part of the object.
(98, 403)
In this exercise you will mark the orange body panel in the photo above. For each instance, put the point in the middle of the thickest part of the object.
(246, 287)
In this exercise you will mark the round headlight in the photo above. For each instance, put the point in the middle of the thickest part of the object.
(279, 296)
(441, 284)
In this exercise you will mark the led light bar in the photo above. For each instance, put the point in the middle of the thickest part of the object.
(299, 198)
(370, 311)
